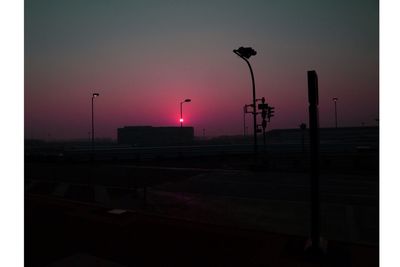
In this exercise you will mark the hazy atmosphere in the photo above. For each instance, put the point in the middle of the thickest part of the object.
(201, 133)
(144, 57)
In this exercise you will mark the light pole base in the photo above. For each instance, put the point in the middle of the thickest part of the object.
(315, 253)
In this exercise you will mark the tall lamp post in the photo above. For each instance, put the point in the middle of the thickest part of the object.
(335, 99)
(94, 95)
(181, 119)
(244, 120)
(245, 53)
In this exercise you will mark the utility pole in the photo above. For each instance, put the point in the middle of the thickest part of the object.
(244, 119)
(316, 248)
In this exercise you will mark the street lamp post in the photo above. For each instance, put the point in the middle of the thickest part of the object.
(335, 99)
(181, 119)
(244, 120)
(94, 95)
(245, 53)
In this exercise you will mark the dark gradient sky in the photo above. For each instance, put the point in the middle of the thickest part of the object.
(144, 57)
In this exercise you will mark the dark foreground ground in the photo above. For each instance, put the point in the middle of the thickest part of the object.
(66, 233)
(174, 215)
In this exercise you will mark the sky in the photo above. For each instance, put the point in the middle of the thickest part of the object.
(145, 57)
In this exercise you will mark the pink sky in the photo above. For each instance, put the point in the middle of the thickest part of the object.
(144, 58)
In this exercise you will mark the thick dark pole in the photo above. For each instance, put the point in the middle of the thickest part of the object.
(254, 106)
(314, 159)
(244, 120)
(92, 128)
(264, 139)
(91, 148)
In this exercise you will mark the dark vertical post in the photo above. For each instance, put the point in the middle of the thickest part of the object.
(91, 149)
(92, 146)
(244, 120)
(245, 53)
(314, 159)
(264, 138)
(92, 128)
(254, 109)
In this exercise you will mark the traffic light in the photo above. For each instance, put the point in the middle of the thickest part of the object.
(271, 111)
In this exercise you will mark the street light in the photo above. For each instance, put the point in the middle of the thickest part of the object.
(181, 119)
(244, 120)
(335, 99)
(94, 95)
(245, 53)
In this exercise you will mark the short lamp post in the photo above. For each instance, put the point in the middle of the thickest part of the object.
(335, 99)
(181, 119)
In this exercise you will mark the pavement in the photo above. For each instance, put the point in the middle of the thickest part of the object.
(198, 217)
(62, 232)
(268, 201)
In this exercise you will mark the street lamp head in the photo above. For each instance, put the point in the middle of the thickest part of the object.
(245, 52)
(335, 99)
(95, 94)
(188, 100)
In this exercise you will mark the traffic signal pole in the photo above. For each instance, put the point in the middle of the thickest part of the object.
(264, 111)
(264, 140)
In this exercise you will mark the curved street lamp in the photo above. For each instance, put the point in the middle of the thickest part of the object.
(245, 53)
(186, 100)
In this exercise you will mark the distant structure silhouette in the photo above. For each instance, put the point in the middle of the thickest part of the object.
(155, 136)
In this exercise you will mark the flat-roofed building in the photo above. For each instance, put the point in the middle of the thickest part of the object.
(155, 136)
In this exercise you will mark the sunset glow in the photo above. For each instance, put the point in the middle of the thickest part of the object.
(145, 57)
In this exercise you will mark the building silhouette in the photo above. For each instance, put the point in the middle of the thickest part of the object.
(155, 136)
